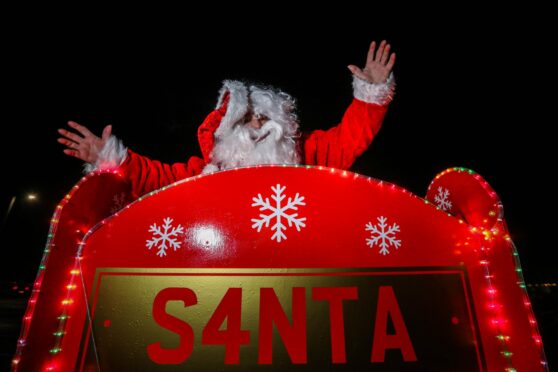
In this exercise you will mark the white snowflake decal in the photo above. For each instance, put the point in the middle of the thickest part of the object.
(383, 235)
(118, 202)
(278, 212)
(442, 199)
(164, 237)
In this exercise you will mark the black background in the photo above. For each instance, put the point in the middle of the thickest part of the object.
(474, 90)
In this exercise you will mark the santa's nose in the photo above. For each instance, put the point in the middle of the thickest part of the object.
(257, 121)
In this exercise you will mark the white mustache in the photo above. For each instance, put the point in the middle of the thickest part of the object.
(269, 128)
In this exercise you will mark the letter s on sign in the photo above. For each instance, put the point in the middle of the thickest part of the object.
(156, 352)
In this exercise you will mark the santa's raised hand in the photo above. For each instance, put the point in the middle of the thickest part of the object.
(379, 64)
(85, 146)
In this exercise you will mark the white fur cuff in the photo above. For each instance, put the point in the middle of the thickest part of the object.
(110, 157)
(374, 93)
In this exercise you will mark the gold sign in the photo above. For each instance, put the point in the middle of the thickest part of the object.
(278, 319)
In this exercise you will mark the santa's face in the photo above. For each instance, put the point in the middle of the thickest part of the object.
(260, 128)
(255, 140)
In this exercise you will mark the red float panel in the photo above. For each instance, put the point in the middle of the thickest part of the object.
(275, 268)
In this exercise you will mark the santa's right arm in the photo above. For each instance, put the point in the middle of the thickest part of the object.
(143, 174)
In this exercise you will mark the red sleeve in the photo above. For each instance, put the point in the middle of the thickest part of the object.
(147, 175)
(339, 146)
(207, 129)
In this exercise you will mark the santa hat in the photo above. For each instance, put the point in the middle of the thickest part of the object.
(236, 98)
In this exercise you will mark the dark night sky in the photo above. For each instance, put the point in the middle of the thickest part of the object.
(474, 90)
(470, 93)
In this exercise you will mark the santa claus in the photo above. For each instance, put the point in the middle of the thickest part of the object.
(253, 125)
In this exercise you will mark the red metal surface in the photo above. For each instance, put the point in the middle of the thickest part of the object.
(336, 216)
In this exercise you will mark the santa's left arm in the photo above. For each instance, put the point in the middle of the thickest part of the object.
(373, 89)
(341, 145)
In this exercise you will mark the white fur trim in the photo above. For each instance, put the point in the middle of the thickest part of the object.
(236, 108)
(210, 168)
(111, 156)
(374, 93)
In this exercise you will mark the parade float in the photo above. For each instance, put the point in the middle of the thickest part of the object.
(302, 268)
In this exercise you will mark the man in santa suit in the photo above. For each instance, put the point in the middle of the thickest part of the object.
(253, 125)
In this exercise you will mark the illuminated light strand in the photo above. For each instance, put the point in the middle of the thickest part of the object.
(66, 303)
(497, 321)
(71, 286)
(24, 333)
(29, 313)
(324, 168)
(500, 322)
(535, 334)
(489, 235)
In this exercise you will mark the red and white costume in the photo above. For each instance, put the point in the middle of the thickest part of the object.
(336, 147)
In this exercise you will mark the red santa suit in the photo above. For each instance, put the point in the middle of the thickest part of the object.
(336, 147)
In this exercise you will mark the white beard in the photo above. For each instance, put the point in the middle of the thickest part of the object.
(247, 146)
